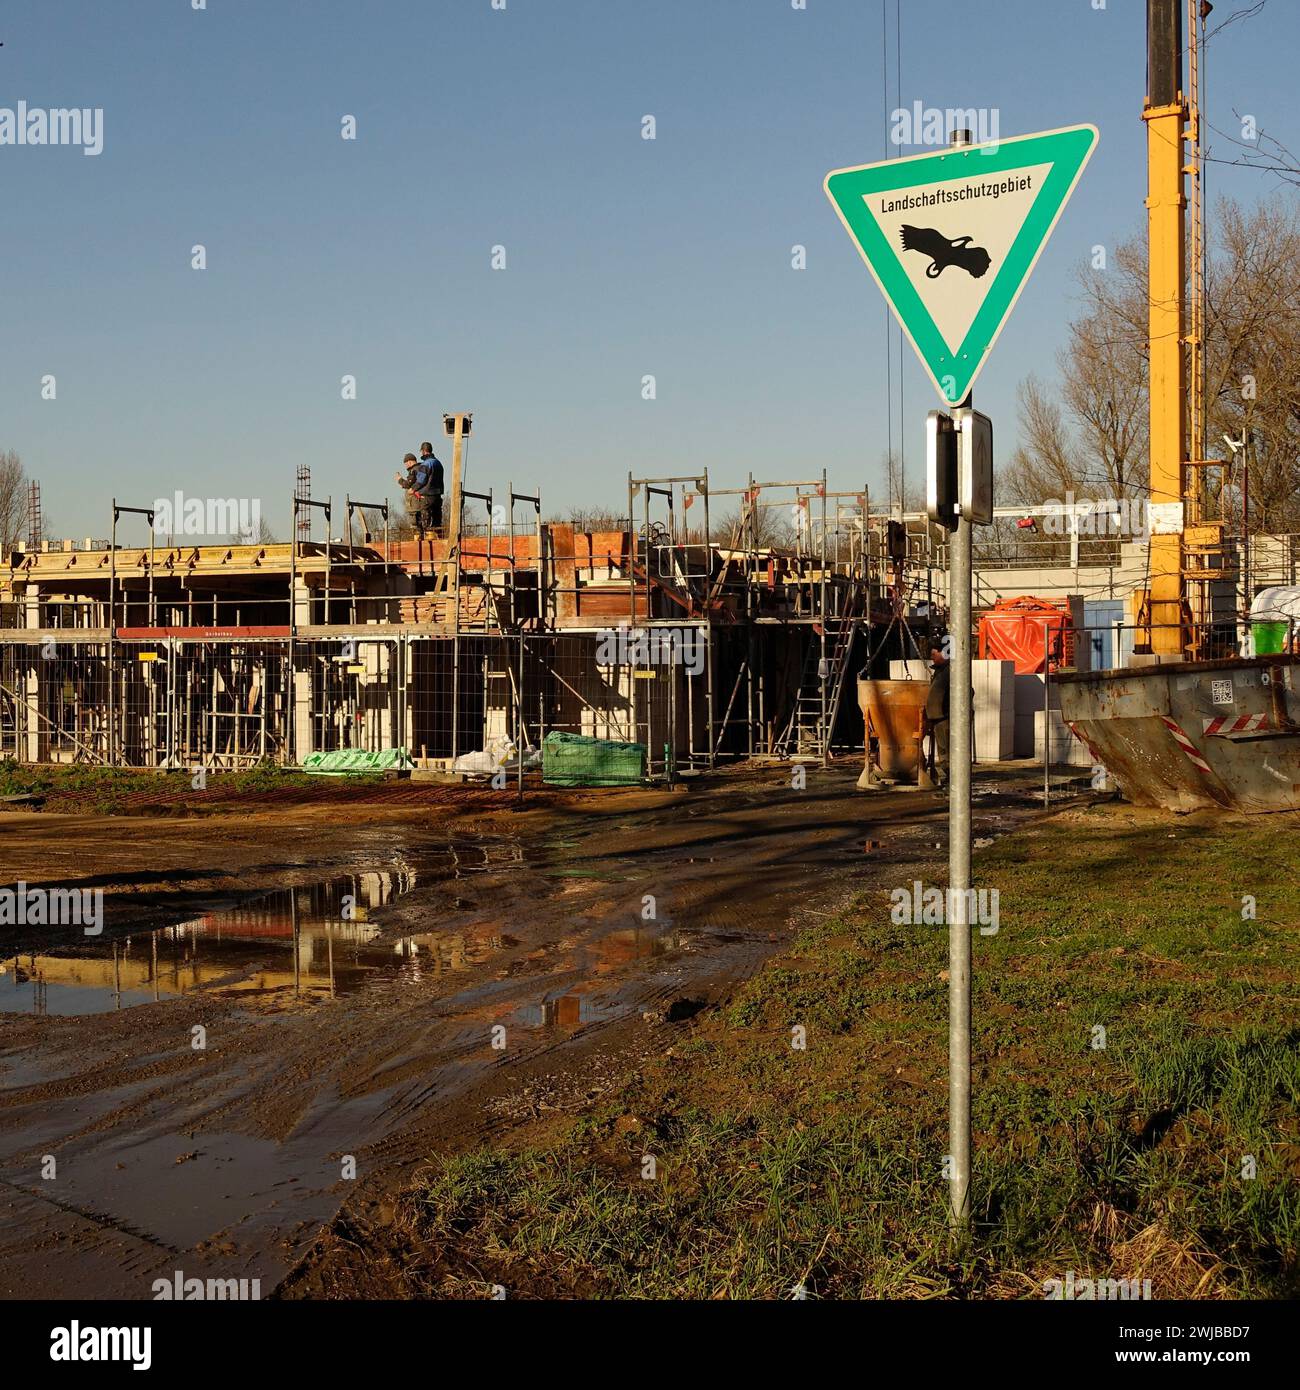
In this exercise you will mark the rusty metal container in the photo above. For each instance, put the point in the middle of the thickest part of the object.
(892, 711)
(1194, 734)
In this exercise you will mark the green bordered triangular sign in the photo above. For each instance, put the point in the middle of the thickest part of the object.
(952, 236)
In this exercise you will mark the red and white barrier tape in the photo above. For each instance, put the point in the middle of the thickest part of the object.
(1236, 724)
(1185, 743)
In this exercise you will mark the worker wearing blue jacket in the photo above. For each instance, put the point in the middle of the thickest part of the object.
(432, 486)
(423, 485)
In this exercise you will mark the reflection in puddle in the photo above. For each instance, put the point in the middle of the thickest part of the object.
(635, 943)
(615, 948)
(565, 1011)
(288, 944)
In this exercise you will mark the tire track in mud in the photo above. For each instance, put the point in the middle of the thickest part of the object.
(106, 1223)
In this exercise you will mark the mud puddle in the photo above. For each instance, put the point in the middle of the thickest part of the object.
(278, 947)
(587, 1002)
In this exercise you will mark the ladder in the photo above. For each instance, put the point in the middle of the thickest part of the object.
(805, 734)
(1208, 566)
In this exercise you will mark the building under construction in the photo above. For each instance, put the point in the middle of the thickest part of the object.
(506, 627)
(684, 630)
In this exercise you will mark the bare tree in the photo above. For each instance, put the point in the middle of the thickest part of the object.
(1252, 384)
(13, 499)
(1045, 465)
(767, 527)
(264, 535)
(1088, 433)
(902, 491)
(596, 519)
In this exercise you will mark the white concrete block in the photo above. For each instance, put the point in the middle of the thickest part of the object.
(1082, 644)
(1029, 693)
(1065, 748)
(994, 686)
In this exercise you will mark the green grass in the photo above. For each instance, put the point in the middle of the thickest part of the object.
(105, 790)
(778, 1168)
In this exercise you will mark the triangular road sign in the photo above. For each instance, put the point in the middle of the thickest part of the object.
(952, 236)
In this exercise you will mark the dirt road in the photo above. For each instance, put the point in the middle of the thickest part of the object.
(288, 1011)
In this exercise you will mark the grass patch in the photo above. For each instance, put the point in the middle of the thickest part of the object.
(109, 790)
(1136, 1106)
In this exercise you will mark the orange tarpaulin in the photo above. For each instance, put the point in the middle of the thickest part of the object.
(1025, 630)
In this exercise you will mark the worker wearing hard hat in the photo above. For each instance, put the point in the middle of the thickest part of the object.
(432, 485)
(423, 487)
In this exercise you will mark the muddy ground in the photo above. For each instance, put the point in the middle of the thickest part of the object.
(439, 973)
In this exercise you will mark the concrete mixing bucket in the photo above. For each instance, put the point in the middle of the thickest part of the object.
(892, 711)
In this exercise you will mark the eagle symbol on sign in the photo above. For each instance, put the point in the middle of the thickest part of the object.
(974, 260)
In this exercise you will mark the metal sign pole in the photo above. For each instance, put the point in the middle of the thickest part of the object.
(112, 630)
(1047, 713)
(959, 845)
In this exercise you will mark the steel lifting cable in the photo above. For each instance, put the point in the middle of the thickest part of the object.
(902, 428)
(889, 347)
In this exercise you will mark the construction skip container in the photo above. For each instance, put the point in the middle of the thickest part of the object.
(1194, 734)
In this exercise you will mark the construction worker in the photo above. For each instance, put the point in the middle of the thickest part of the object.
(936, 718)
(433, 484)
(418, 502)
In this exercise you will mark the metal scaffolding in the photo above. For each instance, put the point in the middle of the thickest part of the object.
(701, 638)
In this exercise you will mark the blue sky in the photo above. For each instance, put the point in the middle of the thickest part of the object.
(519, 127)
